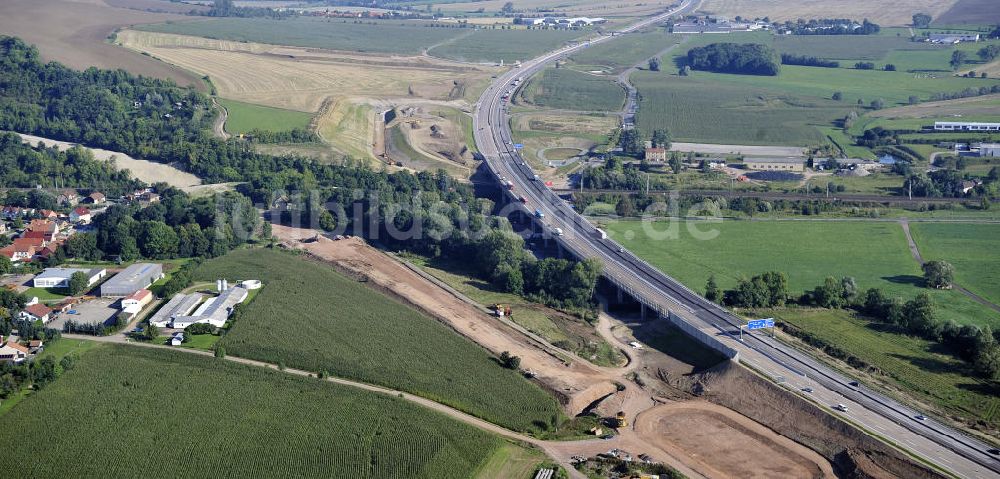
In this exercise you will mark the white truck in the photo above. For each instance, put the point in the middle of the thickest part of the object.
(600, 234)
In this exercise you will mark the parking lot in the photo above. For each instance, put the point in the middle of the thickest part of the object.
(95, 311)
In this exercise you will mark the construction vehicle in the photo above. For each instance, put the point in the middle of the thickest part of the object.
(620, 420)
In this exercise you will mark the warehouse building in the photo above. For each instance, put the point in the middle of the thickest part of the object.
(180, 305)
(965, 126)
(775, 164)
(989, 150)
(215, 311)
(135, 277)
(59, 277)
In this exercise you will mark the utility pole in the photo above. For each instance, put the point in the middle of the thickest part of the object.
(909, 186)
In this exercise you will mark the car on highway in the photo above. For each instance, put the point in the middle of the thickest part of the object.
(807, 390)
(841, 408)
(854, 384)
(920, 417)
(994, 451)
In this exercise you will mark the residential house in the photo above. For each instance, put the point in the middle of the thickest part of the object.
(22, 249)
(35, 346)
(13, 352)
(48, 214)
(952, 38)
(95, 198)
(14, 212)
(37, 312)
(41, 229)
(656, 154)
(3, 227)
(969, 185)
(68, 198)
(80, 215)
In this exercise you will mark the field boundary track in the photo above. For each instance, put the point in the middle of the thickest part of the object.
(915, 252)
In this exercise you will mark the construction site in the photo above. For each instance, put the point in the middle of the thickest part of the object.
(674, 401)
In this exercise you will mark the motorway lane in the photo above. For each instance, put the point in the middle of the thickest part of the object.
(945, 447)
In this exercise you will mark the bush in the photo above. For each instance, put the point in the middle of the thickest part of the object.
(745, 58)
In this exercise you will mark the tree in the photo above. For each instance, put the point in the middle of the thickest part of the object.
(712, 292)
(6, 266)
(661, 138)
(654, 64)
(684, 71)
(913, 99)
(220, 351)
(157, 240)
(921, 20)
(837, 96)
(958, 58)
(988, 53)
(150, 332)
(889, 67)
(509, 361)
(78, 283)
(919, 314)
(625, 206)
(507, 8)
(878, 104)
(987, 354)
(830, 294)
(631, 142)
(939, 274)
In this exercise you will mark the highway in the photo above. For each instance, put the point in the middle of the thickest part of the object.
(948, 449)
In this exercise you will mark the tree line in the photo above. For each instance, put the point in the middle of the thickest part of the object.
(807, 61)
(741, 58)
(914, 317)
(831, 26)
(25, 166)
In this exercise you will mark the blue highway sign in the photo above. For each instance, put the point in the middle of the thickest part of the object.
(518, 146)
(760, 324)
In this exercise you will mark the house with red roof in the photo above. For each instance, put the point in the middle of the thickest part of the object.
(80, 215)
(12, 351)
(137, 299)
(37, 312)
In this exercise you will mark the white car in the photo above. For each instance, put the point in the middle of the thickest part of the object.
(841, 408)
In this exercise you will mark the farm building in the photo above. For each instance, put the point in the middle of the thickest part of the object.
(989, 150)
(775, 164)
(59, 277)
(965, 126)
(37, 312)
(215, 311)
(135, 277)
(180, 305)
(656, 154)
(952, 38)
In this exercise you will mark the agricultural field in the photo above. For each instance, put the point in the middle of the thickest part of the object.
(543, 133)
(348, 127)
(301, 79)
(971, 248)
(491, 46)
(613, 10)
(795, 107)
(289, 425)
(887, 13)
(75, 34)
(620, 55)
(410, 38)
(562, 330)
(244, 117)
(874, 253)
(565, 89)
(332, 323)
(904, 362)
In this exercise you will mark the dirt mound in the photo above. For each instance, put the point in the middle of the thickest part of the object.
(853, 453)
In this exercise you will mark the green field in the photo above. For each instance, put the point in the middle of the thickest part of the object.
(565, 89)
(875, 253)
(310, 317)
(795, 107)
(507, 45)
(377, 37)
(916, 364)
(244, 117)
(159, 413)
(701, 108)
(971, 248)
(621, 54)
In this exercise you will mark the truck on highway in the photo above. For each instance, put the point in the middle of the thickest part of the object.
(510, 185)
(600, 234)
(539, 214)
(535, 178)
(523, 200)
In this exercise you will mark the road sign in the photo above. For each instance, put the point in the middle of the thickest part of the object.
(760, 324)
(518, 146)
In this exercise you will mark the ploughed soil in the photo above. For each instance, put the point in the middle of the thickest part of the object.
(75, 32)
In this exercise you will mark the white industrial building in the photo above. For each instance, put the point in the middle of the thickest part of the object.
(989, 150)
(965, 126)
(180, 305)
(131, 279)
(214, 311)
(60, 277)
